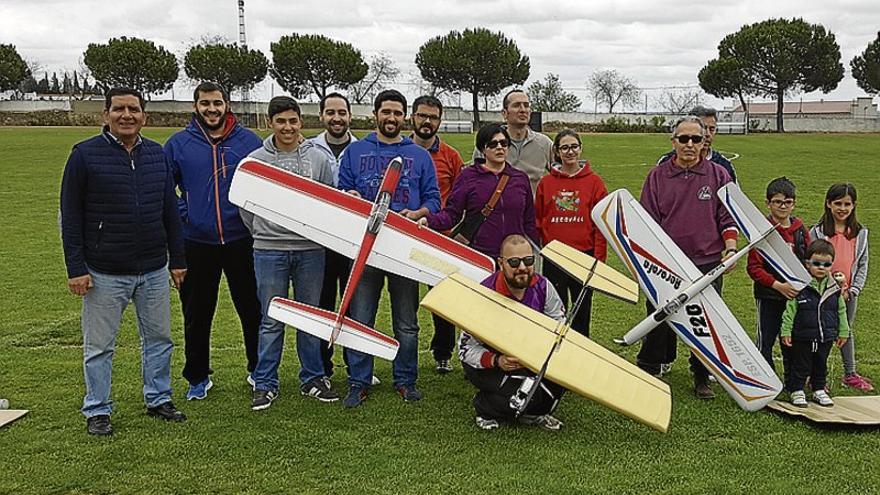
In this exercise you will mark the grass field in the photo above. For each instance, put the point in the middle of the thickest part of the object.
(302, 446)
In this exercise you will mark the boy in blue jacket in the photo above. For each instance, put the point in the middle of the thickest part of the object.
(811, 323)
(360, 173)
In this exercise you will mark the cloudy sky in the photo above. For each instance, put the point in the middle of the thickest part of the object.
(657, 43)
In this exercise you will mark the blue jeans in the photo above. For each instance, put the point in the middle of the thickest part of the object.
(275, 270)
(404, 321)
(103, 306)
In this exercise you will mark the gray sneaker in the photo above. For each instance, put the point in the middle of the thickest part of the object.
(319, 388)
(487, 424)
(544, 421)
(263, 399)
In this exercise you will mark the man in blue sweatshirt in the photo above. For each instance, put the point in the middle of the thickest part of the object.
(204, 157)
(360, 173)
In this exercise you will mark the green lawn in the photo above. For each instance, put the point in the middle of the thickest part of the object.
(302, 446)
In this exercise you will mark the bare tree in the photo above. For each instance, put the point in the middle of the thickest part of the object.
(678, 100)
(382, 73)
(611, 88)
(424, 87)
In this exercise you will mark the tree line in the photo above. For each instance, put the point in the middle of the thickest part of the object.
(773, 58)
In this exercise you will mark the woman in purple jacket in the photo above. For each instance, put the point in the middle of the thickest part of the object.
(514, 212)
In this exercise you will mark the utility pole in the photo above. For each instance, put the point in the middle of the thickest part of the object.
(242, 43)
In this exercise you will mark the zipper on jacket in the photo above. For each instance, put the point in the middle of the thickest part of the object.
(217, 194)
(100, 232)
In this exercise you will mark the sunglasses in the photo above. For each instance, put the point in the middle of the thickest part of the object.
(526, 260)
(498, 142)
(565, 148)
(818, 264)
(684, 138)
(788, 203)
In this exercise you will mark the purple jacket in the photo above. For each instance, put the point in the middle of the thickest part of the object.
(686, 205)
(513, 214)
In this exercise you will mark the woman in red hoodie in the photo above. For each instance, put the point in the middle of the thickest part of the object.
(563, 202)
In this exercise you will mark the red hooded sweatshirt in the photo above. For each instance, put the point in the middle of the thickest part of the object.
(562, 208)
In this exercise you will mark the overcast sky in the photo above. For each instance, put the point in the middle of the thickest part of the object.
(657, 43)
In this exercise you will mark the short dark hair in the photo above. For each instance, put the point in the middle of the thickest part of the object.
(280, 104)
(781, 185)
(701, 111)
(561, 134)
(334, 95)
(428, 101)
(123, 91)
(485, 134)
(820, 246)
(506, 99)
(389, 95)
(207, 87)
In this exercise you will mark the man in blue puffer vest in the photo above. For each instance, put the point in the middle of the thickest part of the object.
(119, 224)
(204, 157)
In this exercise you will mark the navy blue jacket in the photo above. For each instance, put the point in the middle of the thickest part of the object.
(203, 169)
(118, 210)
(818, 313)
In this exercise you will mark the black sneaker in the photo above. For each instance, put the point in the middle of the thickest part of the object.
(167, 411)
(263, 399)
(319, 389)
(99, 425)
(356, 396)
(443, 366)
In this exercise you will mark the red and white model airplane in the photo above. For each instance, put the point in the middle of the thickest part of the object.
(335, 220)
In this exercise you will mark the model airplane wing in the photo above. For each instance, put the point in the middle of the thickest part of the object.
(336, 220)
(320, 323)
(704, 323)
(773, 249)
(580, 365)
(605, 279)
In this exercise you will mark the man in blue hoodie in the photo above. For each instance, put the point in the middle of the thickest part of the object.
(360, 173)
(204, 157)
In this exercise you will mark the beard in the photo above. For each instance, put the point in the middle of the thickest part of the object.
(518, 280)
(338, 135)
(389, 134)
(219, 124)
(425, 135)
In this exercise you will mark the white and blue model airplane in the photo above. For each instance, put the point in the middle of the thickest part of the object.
(684, 296)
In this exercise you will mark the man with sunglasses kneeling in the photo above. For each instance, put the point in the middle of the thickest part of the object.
(498, 376)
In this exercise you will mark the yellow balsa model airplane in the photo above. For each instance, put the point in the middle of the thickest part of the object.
(543, 344)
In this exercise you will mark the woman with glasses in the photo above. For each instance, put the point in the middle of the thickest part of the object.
(563, 202)
(486, 222)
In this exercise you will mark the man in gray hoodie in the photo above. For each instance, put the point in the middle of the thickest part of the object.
(282, 257)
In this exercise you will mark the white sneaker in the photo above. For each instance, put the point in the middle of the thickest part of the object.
(375, 381)
(822, 398)
(251, 382)
(487, 424)
(545, 421)
(799, 398)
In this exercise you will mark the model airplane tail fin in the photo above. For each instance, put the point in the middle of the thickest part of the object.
(320, 322)
(773, 248)
(605, 279)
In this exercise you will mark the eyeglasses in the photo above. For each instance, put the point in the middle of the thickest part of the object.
(684, 138)
(817, 264)
(498, 142)
(526, 260)
(427, 116)
(788, 203)
(565, 148)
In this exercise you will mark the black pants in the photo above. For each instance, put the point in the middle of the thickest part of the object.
(198, 296)
(769, 324)
(659, 346)
(495, 387)
(443, 340)
(336, 270)
(569, 289)
(808, 359)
